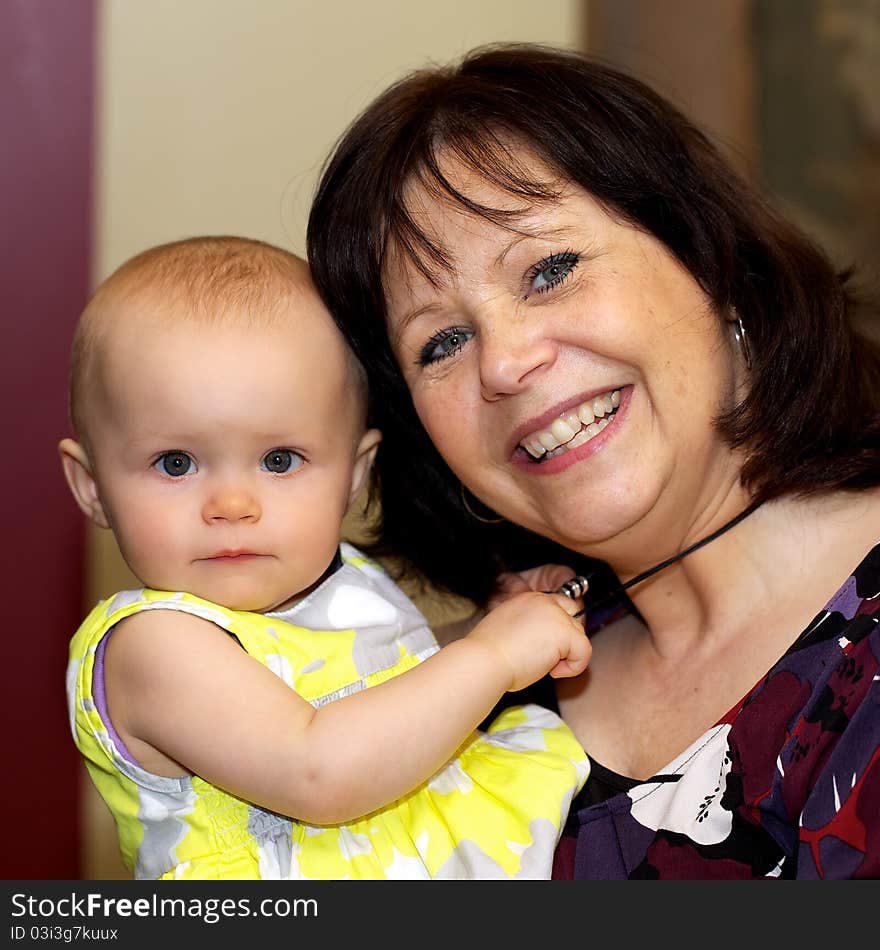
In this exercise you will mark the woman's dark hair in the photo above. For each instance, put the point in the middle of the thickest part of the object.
(810, 421)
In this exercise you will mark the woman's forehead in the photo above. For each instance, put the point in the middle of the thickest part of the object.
(434, 213)
(436, 225)
(500, 174)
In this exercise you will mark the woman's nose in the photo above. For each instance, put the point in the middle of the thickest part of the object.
(514, 351)
(231, 503)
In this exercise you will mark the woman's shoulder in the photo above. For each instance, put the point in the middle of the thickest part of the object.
(867, 573)
(852, 612)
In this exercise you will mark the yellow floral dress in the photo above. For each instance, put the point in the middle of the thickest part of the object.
(495, 810)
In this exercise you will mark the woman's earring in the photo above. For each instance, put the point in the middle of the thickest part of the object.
(472, 513)
(739, 334)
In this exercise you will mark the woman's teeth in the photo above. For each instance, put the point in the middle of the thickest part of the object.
(573, 427)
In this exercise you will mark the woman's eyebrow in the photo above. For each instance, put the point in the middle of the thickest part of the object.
(397, 330)
(414, 314)
(539, 232)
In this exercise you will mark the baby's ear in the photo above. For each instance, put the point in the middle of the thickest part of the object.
(78, 472)
(363, 461)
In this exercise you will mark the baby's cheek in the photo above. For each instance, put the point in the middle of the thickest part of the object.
(155, 548)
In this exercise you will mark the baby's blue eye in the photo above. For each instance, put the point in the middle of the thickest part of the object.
(552, 270)
(444, 343)
(280, 461)
(175, 463)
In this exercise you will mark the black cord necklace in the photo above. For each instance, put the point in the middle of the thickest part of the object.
(578, 586)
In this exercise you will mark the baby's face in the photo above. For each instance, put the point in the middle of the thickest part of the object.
(225, 455)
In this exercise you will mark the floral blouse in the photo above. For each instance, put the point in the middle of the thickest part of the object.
(786, 785)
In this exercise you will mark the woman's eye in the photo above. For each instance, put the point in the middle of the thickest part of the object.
(175, 463)
(552, 271)
(280, 461)
(442, 344)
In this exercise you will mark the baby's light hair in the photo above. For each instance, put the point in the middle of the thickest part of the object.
(212, 279)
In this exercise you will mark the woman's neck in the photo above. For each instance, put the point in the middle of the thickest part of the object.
(763, 565)
(711, 627)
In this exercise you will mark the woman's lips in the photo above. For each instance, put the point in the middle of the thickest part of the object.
(572, 427)
(564, 459)
(537, 423)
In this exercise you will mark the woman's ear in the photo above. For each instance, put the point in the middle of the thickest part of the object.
(363, 461)
(78, 472)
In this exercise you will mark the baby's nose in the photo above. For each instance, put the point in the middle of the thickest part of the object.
(231, 503)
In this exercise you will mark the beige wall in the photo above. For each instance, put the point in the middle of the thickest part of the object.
(216, 114)
(214, 117)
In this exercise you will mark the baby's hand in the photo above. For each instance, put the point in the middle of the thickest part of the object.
(535, 634)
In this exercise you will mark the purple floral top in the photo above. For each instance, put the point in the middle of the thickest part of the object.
(787, 785)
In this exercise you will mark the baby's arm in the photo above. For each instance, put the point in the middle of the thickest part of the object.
(186, 698)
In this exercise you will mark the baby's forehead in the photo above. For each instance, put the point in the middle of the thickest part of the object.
(133, 307)
(140, 325)
(145, 344)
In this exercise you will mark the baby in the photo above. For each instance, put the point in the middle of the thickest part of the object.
(270, 704)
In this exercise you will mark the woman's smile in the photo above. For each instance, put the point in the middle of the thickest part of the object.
(572, 427)
(574, 435)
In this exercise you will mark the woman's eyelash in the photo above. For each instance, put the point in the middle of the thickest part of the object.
(551, 271)
(443, 344)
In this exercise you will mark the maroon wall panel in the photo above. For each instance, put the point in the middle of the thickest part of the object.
(47, 51)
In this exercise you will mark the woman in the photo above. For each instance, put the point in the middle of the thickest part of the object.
(589, 341)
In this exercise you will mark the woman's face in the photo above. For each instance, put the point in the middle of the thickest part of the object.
(569, 371)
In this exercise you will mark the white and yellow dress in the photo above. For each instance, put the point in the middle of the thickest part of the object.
(494, 811)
